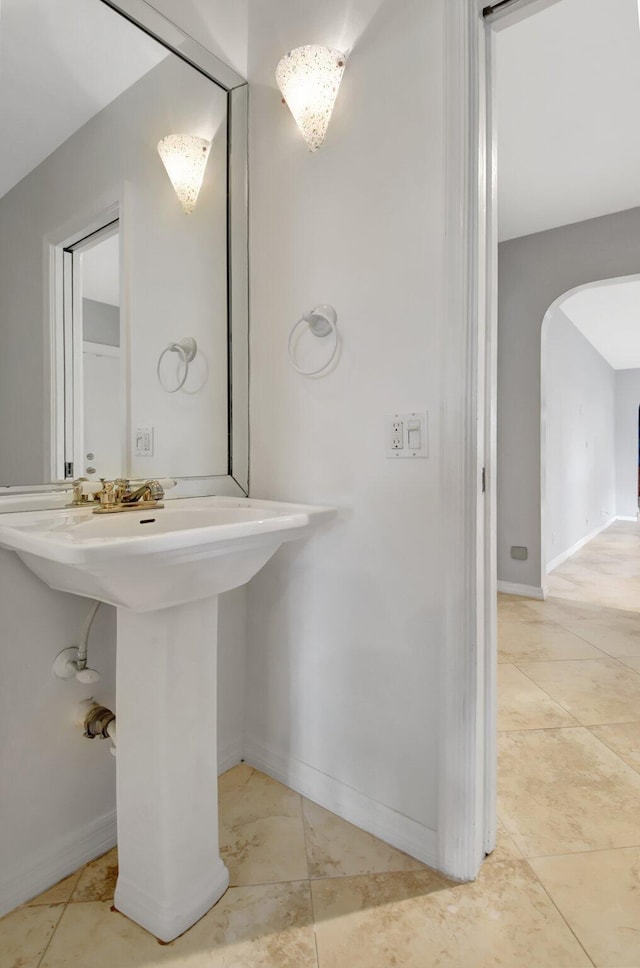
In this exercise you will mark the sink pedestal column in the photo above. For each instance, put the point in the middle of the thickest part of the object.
(170, 870)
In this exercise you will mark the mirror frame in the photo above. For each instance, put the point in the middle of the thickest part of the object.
(235, 483)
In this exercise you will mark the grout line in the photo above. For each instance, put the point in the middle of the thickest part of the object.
(561, 915)
(542, 729)
(306, 854)
(304, 836)
(588, 619)
(53, 933)
(579, 722)
(622, 722)
(579, 853)
(315, 940)
(562, 706)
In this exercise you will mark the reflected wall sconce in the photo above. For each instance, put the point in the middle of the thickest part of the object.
(309, 78)
(185, 158)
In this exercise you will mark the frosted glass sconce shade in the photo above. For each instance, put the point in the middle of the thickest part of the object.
(185, 158)
(309, 78)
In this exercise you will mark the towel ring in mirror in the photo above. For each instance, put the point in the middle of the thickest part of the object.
(186, 350)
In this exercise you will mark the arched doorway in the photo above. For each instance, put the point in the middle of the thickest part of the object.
(590, 393)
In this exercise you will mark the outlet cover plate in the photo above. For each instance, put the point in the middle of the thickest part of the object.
(407, 435)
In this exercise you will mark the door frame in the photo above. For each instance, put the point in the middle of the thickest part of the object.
(467, 751)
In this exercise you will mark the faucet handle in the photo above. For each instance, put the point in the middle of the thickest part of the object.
(121, 487)
(84, 490)
(108, 494)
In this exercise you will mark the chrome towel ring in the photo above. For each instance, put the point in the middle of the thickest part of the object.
(322, 321)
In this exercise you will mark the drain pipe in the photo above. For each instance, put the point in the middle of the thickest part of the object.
(100, 722)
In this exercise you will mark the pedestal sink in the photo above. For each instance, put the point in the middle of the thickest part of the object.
(163, 570)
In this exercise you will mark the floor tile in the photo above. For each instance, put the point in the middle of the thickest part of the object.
(562, 791)
(623, 739)
(539, 639)
(250, 927)
(60, 893)
(599, 895)
(25, 933)
(417, 920)
(97, 881)
(524, 705)
(261, 829)
(506, 848)
(336, 848)
(631, 661)
(605, 572)
(616, 633)
(595, 691)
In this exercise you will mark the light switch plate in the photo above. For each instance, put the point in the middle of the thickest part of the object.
(406, 435)
(143, 442)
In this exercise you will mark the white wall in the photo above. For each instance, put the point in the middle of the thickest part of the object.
(627, 403)
(58, 790)
(345, 629)
(579, 427)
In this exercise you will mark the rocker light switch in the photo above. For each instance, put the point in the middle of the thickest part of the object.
(414, 434)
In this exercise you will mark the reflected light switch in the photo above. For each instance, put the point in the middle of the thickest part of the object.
(143, 442)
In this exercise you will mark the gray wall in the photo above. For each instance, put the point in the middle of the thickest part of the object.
(533, 272)
(579, 395)
(627, 403)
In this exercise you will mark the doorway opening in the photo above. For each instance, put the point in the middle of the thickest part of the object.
(88, 385)
(568, 562)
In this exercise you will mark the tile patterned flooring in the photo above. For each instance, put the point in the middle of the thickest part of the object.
(562, 890)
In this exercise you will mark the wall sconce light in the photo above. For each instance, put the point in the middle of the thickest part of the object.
(309, 78)
(185, 158)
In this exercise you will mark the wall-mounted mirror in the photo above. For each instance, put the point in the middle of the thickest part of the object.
(109, 264)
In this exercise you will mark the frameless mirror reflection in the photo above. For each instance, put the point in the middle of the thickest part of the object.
(101, 269)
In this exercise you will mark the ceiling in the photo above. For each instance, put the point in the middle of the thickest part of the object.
(608, 315)
(61, 61)
(568, 85)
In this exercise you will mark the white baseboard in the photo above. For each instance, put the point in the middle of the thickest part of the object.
(561, 558)
(47, 866)
(626, 517)
(229, 755)
(383, 822)
(526, 591)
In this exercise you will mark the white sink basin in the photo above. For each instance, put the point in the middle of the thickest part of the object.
(144, 560)
(163, 569)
